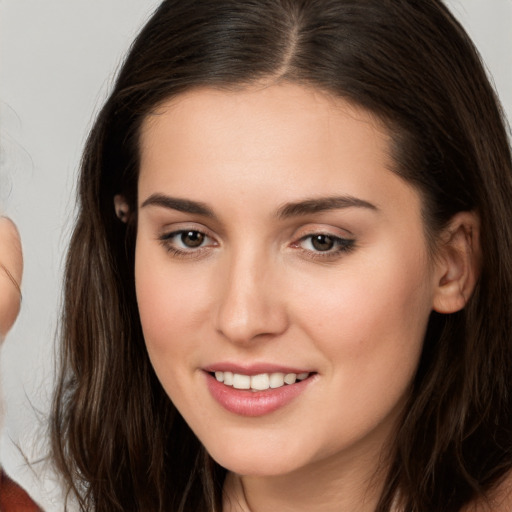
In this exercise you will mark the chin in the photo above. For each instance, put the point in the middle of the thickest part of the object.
(258, 461)
(258, 468)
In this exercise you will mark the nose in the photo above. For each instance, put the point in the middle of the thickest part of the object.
(251, 304)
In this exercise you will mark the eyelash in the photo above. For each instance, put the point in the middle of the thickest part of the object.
(167, 241)
(340, 245)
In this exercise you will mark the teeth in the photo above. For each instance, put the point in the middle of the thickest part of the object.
(241, 381)
(259, 382)
(276, 380)
(290, 378)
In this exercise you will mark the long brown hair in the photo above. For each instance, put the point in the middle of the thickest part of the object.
(117, 438)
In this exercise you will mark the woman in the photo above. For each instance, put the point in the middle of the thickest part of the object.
(289, 282)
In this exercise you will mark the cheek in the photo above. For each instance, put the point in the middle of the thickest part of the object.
(370, 326)
(372, 315)
(171, 307)
(164, 324)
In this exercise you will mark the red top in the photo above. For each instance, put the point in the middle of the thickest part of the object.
(13, 498)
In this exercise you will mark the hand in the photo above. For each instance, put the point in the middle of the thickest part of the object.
(11, 268)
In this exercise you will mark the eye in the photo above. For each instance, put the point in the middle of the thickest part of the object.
(322, 244)
(191, 239)
(186, 241)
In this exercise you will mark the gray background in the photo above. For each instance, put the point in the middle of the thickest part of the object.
(57, 62)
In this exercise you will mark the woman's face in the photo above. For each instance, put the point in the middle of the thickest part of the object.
(274, 243)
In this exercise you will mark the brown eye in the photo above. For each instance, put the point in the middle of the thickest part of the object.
(322, 242)
(325, 245)
(185, 243)
(192, 239)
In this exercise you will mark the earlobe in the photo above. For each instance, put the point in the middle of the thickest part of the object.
(457, 263)
(121, 208)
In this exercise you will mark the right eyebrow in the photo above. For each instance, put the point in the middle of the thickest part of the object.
(181, 205)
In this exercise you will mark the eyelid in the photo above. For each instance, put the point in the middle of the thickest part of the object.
(179, 227)
(167, 234)
(322, 229)
(172, 234)
(338, 240)
(344, 242)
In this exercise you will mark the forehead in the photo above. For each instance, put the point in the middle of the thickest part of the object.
(280, 142)
(284, 108)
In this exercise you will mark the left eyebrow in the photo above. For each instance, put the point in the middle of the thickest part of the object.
(317, 205)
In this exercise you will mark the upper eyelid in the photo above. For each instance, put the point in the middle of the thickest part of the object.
(178, 227)
(341, 247)
(166, 240)
(331, 235)
(333, 231)
(340, 239)
(305, 231)
(175, 232)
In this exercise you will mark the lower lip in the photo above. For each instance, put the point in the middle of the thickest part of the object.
(254, 403)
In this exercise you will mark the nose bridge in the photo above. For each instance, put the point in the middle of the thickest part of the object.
(249, 305)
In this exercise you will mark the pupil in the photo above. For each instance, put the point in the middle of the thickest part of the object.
(322, 242)
(192, 238)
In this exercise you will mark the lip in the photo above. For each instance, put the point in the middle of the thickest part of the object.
(254, 403)
(253, 369)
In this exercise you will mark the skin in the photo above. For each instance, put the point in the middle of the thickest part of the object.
(257, 291)
(11, 268)
(11, 260)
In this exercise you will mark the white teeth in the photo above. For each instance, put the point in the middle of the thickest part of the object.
(241, 381)
(290, 378)
(259, 382)
(276, 380)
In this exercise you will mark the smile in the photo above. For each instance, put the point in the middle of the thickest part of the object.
(254, 392)
(260, 382)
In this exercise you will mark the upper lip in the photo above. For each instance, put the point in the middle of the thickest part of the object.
(254, 368)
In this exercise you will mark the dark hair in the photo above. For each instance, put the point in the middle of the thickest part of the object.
(117, 438)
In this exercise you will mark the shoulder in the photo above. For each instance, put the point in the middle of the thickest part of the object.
(13, 497)
(499, 500)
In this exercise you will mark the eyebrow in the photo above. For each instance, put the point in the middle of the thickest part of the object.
(181, 205)
(322, 204)
(296, 209)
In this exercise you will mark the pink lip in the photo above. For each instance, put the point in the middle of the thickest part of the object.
(254, 403)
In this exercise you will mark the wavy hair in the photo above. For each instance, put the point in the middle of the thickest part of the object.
(117, 438)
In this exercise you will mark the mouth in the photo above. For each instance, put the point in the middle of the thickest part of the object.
(256, 389)
(259, 382)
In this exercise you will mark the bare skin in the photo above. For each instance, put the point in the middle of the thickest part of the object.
(236, 269)
(11, 268)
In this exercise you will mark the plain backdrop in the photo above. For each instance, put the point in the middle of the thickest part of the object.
(57, 63)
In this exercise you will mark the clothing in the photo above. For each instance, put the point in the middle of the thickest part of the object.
(13, 498)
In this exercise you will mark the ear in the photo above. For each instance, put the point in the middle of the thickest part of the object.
(457, 263)
(121, 207)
